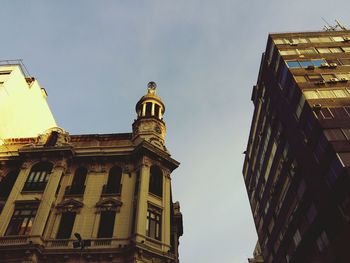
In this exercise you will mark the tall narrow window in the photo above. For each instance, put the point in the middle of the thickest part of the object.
(22, 220)
(106, 226)
(156, 181)
(38, 177)
(7, 183)
(113, 185)
(66, 225)
(154, 219)
(78, 184)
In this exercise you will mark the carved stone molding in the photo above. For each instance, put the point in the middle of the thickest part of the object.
(146, 161)
(63, 164)
(70, 205)
(109, 204)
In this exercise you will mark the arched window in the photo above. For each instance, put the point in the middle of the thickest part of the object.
(156, 181)
(113, 185)
(78, 184)
(38, 177)
(7, 183)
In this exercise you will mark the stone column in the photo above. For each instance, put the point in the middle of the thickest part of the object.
(144, 110)
(8, 209)
(141, 212)
(166, 212)
(153, 108)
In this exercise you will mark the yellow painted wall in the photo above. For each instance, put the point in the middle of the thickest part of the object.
(24, 111)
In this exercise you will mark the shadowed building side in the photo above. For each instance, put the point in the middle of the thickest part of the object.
(296, 167)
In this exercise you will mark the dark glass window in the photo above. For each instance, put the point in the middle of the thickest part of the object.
(38, 177)
(66, 225)
(335, 170)
(78, 184)
(305, 64)
(293, 64)
(326, 113)
(7, 183)
(156, 181)
(318, 62)
(154, 219)
(113, 185)
(106, 227)
(22, 221)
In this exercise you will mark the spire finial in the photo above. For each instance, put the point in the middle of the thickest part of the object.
(152, 87)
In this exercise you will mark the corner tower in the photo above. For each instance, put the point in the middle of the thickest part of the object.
(149, 124)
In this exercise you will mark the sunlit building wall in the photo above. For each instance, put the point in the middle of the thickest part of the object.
(24, 111)
(111, 190)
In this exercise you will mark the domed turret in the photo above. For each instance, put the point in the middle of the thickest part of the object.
(150, 105)
(149, 124)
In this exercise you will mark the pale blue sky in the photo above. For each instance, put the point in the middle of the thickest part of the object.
(95, 59)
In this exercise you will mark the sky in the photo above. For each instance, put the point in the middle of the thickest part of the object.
(95, 58)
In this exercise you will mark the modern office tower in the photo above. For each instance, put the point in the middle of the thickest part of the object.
(296, 167)
(88, 198)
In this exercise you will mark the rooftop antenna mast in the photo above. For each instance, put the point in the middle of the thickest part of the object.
(340, 25)
(327, 27)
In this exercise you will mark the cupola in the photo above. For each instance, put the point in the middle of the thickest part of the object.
(150, 105)
(149, 124)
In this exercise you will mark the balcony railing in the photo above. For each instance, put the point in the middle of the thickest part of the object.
(20, 240)
(96, 242)
(109, 190)
(73, 190)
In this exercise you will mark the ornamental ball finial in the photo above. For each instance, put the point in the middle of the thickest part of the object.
(152, 87)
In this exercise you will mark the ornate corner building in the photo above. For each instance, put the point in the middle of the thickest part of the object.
(296, 167)
(85, 198)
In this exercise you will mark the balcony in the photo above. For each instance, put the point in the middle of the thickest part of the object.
(20, 240)
(95, 243)
(74, 190)
(109, 190)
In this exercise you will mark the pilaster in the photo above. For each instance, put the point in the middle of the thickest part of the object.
(48, 198)
(141, 213)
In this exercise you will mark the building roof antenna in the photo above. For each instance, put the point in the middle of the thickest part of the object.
(327, 27)
(340, 25)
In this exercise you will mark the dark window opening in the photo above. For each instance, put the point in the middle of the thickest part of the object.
(66, 225)
(113, 185)
(22, 221)
(78, 184)
(154, 219)
(156, 110)
(7, 183)
(52, 139)
(156, 181)
(148, 109)
(106, 226)
(38, 177)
